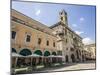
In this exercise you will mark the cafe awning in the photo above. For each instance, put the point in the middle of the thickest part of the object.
(16, 55)
(57, 56)
(33, 55)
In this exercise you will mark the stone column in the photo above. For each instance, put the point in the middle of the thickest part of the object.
(16, 62)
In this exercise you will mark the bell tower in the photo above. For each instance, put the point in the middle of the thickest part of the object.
(63, 17)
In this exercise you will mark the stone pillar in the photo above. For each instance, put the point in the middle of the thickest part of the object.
(51, 60)
(69, 55)
(37, 60)
(16, 61)
(31, 61)
(69, 58)
(42, 59)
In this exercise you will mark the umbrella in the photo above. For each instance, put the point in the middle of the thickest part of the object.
(16, 55)
(59, 56)
(51, 56)
(33, 55)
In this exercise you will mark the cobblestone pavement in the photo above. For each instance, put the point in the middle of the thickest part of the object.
(71, 66)
(66, 67)
(79, 66)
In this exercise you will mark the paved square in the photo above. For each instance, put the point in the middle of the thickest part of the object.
(72, 66)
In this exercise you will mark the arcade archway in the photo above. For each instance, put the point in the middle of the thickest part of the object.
(73, 58)
(66, 57)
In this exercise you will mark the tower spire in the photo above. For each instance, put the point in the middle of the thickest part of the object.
(63, 17)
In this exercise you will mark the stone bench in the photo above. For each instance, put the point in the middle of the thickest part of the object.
(14, 71)
(39, 66)
(21, 69)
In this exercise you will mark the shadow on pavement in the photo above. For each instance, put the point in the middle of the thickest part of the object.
(51, 68)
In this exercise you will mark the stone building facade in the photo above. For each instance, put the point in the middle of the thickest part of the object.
(28, 33)
(30, 36)
(90, 51)
(67, 40)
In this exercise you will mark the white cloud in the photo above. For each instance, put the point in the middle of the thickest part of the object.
(74, 25)
(79, 32)
(87, 41)
(38, 12)
(82, 19)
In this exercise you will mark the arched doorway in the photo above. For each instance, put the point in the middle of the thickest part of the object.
(66, 57)
(83, 58)
(77, 53)
(73, 58)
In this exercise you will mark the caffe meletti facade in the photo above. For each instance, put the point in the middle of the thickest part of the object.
(34, 43)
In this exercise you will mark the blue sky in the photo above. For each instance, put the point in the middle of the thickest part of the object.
(81, 19)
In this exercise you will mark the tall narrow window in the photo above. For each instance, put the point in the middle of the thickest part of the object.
(65, 32)
(13, 34)
(59, 52)
(28, 38)
(47, 43)
(39, 41)
(53, 44)
(66, 40)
